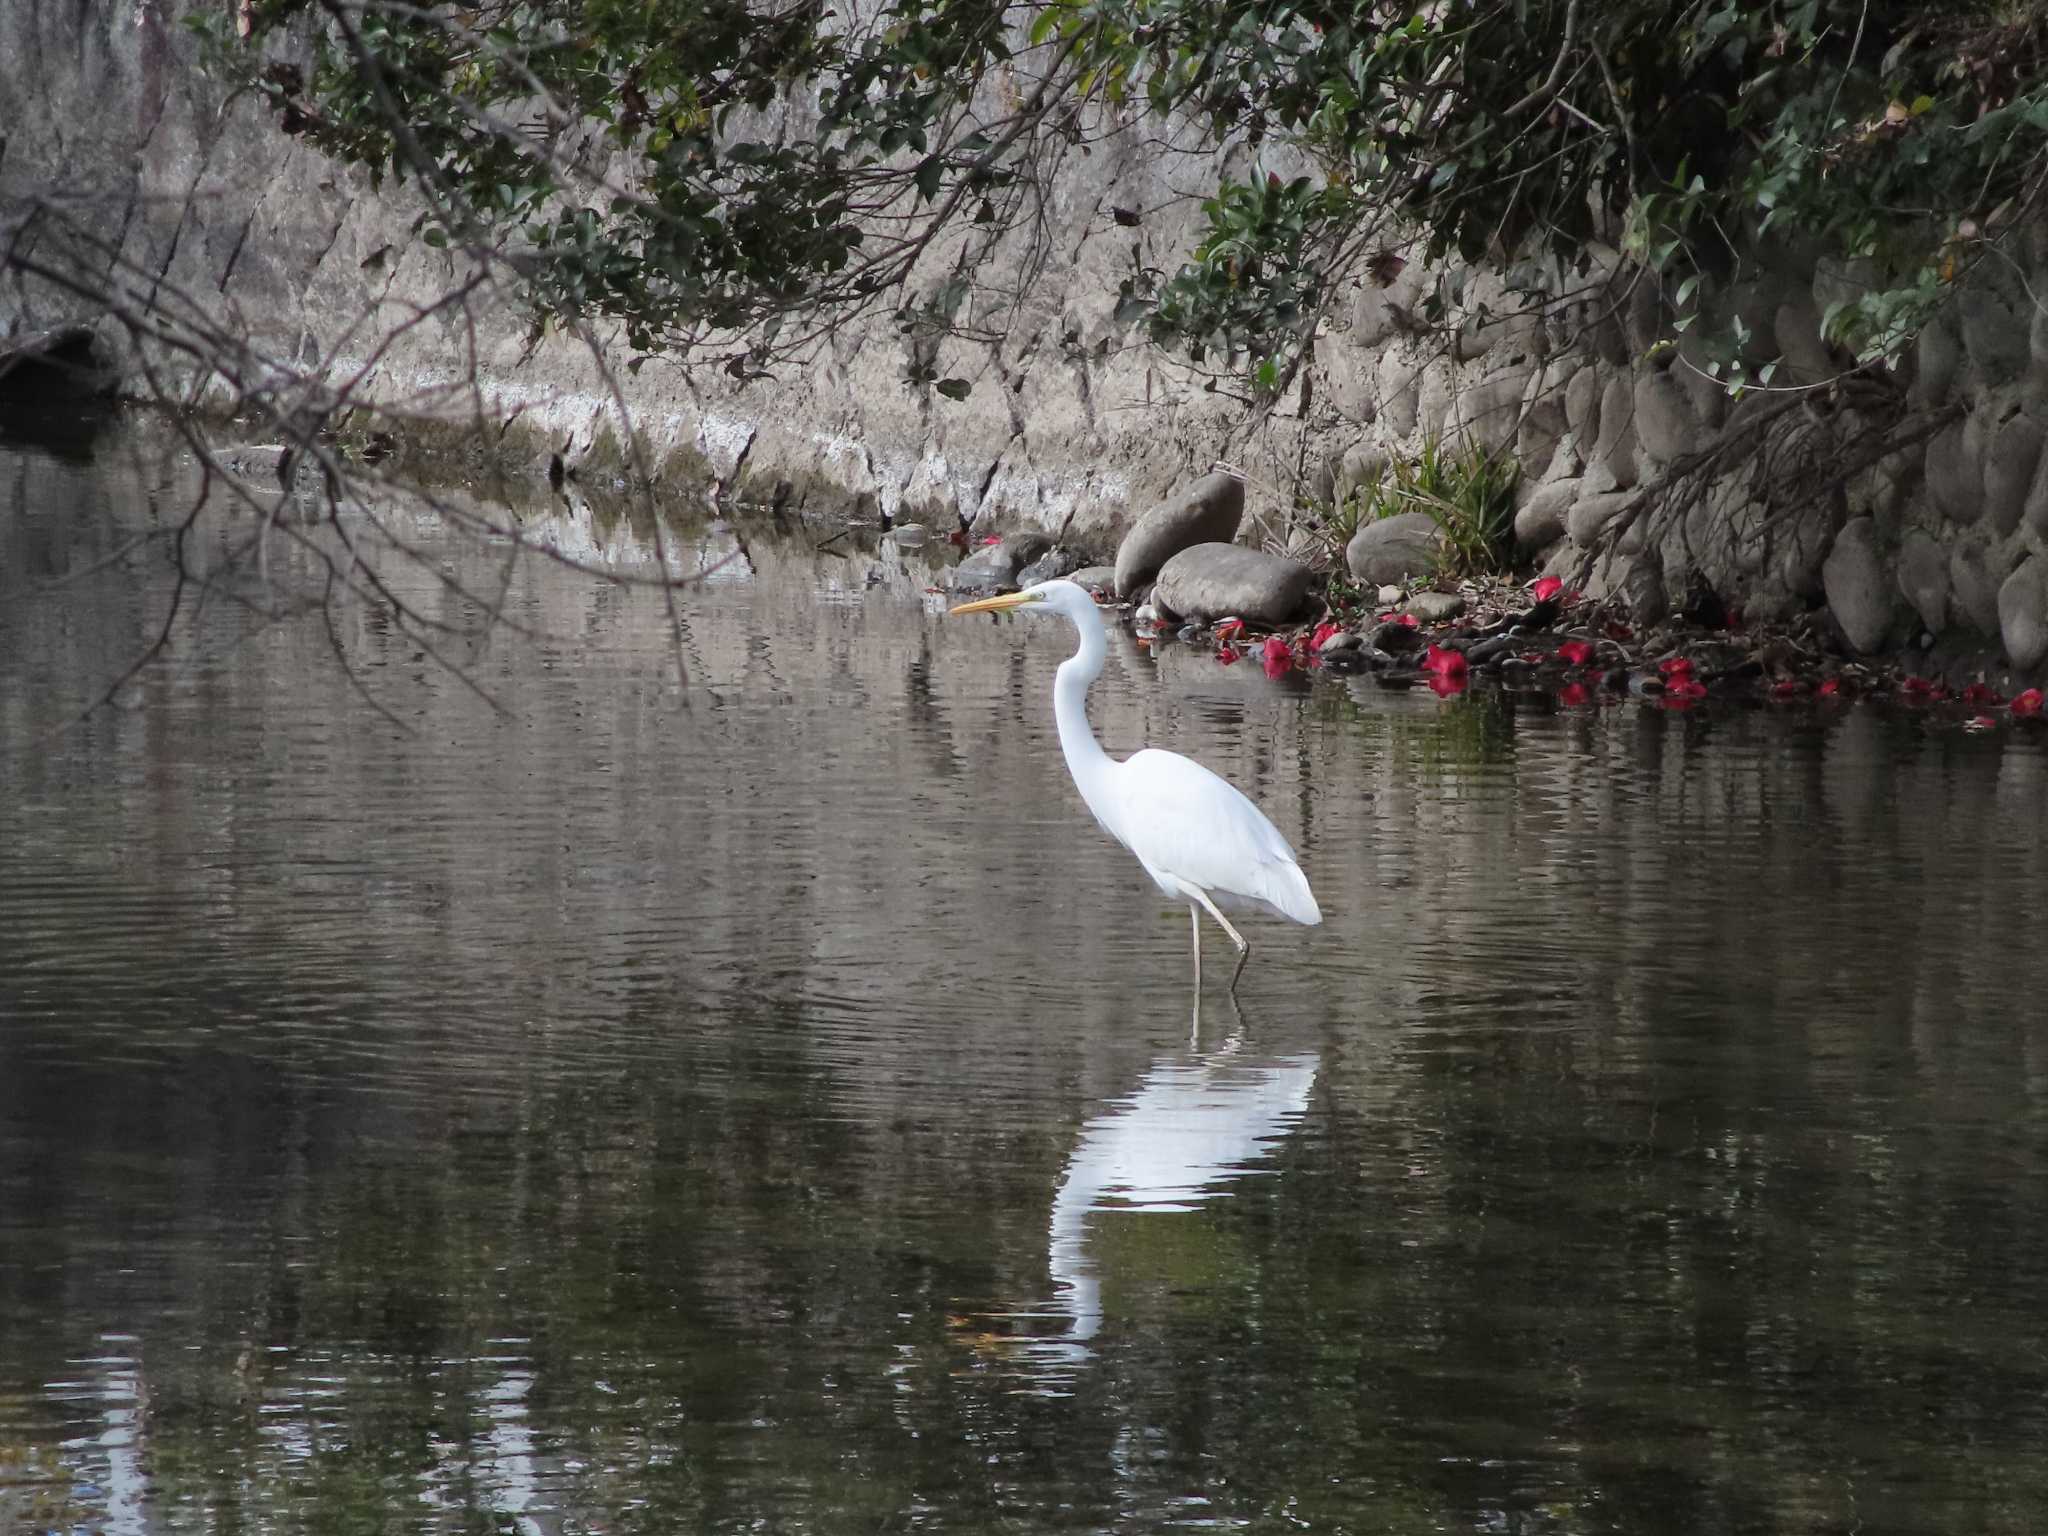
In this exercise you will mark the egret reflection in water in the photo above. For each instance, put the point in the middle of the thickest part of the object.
(1199, 1121)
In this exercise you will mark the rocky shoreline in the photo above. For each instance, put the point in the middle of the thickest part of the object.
(1386, 612)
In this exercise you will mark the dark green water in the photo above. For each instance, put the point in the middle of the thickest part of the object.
(781, 1115)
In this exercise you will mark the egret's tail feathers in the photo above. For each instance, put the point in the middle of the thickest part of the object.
(1287, 889)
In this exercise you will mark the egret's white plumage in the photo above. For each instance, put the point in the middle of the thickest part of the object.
(1200, 840)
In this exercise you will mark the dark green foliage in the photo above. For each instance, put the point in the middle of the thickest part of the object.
(694, 165)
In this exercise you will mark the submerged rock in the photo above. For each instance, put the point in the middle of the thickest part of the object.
(1052, 565)
(1099, 579)
(1211, 581)
(1207, 512)
(994, 567)
(1395, 549)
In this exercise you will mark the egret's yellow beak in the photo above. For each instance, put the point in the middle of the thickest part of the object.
(999, 604)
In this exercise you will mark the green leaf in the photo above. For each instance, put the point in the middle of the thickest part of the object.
(954, 389)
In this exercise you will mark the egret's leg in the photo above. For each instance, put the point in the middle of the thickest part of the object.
(1244, 948)
(1195, 924)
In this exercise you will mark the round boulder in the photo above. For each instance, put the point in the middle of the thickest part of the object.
(1859, 591)
(1207, 512)
(2023, 613)
(1213, 581)
(994, 567)
(1392, 550)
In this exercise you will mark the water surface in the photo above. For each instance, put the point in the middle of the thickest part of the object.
(769, 1103)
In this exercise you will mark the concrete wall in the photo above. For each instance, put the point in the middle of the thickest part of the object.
(1070, 415)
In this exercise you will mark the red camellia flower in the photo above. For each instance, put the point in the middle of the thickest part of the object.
(1829, 687)
(1226, 653)
(1277, 657)
(1325, 632)
(2028, 703)
(1575, 653)
(1684, 687)
(1545, 587)
(1438, 662)
(1574, 695)
(1980, 693)
(1916, 687)
(1981, 723)
(991, 539)
(1229, 629)
(1406, 620)
(1676, 666)
(1446, 685)
(1790, 688)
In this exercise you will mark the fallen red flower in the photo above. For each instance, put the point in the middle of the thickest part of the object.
(991, 539)
(1545, 587)
(1981, 723)
(1227, 653)
(1573, 695)
(1790, 688)
(1325, 632)
(1681, 686)
(1829, 687)
(1229, 629)
(1620, 631)
(1676, 666)
(1917, 687)
(1447, 685)
(1438, 662)
(1278, 659)
(1983, 693)
(2028, 703)
(1575, 653)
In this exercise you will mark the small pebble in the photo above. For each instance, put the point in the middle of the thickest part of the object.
(908, 535)
(1391, 595)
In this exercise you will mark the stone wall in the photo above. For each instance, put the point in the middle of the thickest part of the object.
(1072, 417)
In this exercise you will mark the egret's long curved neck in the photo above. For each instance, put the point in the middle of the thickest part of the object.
(1086, 760)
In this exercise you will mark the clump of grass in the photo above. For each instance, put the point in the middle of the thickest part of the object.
(1468, 491)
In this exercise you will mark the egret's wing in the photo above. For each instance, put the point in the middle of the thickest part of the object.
(1181, 818)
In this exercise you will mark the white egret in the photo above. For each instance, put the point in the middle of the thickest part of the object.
(1201, 841)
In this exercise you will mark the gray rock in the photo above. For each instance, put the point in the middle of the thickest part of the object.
(1940, 359)
(1395, 549)
(1207, 512)
(1994, 336)
(1582, 404)
(1392, 592)
(2009, 466)
(1923, 579)
(1400, 386)
(1542, 423)
(1611, 466)
(909, 535)
(1050, 566)
(2034, 512)
(1973, 578)
(1096, 578)
(1436, 607)
(994, 567)
(1862, 598)
(1211, 581)
(1489, 412)
(2023, 613)
(1955, 479)
(1540, 520)
(1796, 327)
(1665, 421)
(1590, 515)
